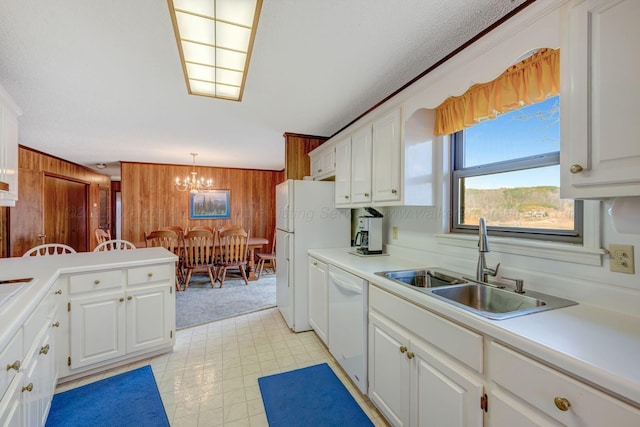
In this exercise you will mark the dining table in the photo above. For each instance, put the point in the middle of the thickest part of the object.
(253, 244)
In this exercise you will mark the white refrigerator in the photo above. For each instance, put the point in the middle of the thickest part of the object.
(306, 218)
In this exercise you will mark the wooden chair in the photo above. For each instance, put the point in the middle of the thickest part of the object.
(198, 253)
(231, 252)
(229, 227)
(169, 240)
(49, 249)
(267, 257)
(203, 227)
(102, 235)
(175, 228)
(114, 245)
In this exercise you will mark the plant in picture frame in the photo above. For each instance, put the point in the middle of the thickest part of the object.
(209, 204)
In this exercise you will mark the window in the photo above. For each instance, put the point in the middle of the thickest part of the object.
(507, 171)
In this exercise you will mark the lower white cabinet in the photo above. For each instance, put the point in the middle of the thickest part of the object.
(524, 389)
(117, 314)
(414, 385)
(11, 403)
(318, 298)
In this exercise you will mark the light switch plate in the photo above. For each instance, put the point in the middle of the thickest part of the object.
(394, 231)
(621, 258)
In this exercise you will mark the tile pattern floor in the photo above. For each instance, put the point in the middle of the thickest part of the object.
(211, 377)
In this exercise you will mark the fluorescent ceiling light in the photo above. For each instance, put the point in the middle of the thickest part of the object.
(215, 38)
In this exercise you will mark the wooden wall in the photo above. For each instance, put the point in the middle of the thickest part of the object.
(26, 219)
(297, 148)
(150, 199)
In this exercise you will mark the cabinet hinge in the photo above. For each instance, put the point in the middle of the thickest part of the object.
(484, 402)
(69, 361)
(170, 334)
(170, 289)
(68, 306)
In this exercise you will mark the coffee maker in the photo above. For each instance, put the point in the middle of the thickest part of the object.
(368, 239)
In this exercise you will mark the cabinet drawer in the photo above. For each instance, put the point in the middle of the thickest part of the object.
(95, 281)
(540, 385)
(11, 354)
(459, 342)
(149, 274)
(35, 322)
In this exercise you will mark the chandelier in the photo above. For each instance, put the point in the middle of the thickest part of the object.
(192, 183)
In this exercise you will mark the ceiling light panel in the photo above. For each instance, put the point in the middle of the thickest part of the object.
(215, 38)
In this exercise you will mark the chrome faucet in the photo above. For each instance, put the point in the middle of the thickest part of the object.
(482, 271)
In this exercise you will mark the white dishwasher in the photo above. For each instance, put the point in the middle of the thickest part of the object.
(348, 300)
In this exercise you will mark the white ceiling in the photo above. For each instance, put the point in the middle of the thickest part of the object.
(101, 81)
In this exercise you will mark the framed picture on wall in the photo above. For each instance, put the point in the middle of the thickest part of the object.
(209, 204)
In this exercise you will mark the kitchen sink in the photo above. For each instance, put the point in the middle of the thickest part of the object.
(424, 277)
(497, 303)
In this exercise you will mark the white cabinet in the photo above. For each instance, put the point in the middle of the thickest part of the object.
(11, 404)
(526, 389)
(414, 385)
(412, 378)
(118, 314)
(9, 114)
(387, 166)
(318, 298)
(323, 161)
(343, 173)
(361, 149)
(600, 152)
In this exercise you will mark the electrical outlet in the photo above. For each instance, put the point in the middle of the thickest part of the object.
(621, 258)
(394, 232)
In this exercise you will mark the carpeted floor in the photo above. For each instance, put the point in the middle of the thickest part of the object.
(201, 304)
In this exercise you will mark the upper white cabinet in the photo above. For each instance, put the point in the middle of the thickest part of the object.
(600, 150)
(9, 114)
(323, 162)
(383, 164)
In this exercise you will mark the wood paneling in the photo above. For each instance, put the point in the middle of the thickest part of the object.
(27, 217)
(151, 201)
(297, 148)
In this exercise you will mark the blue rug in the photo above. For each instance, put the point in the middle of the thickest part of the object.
(128, 399)
(312, 396)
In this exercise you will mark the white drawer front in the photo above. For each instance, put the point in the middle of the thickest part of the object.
(149, 274)
(540, 385)
(96, 281)
(457, 341)
(11, 354)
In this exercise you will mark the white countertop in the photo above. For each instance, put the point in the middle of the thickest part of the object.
(600, 346)
(17, 302)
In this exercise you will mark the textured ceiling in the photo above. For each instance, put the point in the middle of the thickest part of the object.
(101, 81)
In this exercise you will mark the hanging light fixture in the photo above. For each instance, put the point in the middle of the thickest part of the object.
(192, 183)
(215, 39)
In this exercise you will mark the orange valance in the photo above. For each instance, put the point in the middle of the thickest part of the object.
(527, 82)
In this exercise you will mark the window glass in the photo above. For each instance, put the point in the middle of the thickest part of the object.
(507, 171)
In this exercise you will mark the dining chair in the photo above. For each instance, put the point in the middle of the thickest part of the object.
(102, 235)
(267, 257)
(229, 227)
(198, 253)
(169, 240)
(114, 245)
(49, 249)
(203, 227)
(231, 252)
(175, 228)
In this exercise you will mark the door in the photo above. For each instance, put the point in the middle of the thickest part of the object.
(284, 290)
(318, 298)
(361, 166)
(284, 221)
(65, 212)
(147, 323)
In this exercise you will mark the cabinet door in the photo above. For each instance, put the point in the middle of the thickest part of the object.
(602, 153)
(10, 405)
(97, 328)
(389, 370)
(343, 172)
(442, 394)
(361, 166)
(329, 160)
(318, 297)
(147, 318)
(386, 158)
(505, 411)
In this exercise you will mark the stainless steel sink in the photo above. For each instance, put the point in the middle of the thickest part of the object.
(424, 277)
(497, 303)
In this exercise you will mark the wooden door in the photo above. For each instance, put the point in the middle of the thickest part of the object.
(65, 212)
